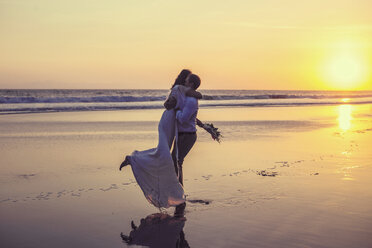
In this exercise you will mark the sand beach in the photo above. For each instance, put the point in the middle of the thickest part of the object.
(281, 177)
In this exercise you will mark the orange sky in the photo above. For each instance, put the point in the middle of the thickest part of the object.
(288, 45)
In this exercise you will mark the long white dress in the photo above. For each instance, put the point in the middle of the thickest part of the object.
(154, 169)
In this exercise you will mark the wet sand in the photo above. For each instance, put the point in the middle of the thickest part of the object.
(281, 177)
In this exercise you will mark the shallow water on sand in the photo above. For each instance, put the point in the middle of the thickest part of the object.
(282, 177)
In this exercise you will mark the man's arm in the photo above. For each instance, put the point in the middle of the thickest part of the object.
(191, 105)
(199, 122)
(193, 93)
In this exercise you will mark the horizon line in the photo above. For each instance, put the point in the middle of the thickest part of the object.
(169, 89)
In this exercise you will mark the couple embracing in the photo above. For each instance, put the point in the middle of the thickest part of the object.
(158, 171)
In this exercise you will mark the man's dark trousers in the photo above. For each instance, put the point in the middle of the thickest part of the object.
(185, 142)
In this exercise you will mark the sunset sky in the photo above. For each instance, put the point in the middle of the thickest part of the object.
(267, 44)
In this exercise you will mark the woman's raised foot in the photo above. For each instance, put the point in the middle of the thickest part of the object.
(124, 163)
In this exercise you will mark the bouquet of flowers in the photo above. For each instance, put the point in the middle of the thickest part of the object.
(213, 131)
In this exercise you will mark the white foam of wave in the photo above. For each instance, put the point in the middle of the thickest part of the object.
(79, 106)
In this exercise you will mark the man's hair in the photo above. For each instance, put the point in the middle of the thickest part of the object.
(195, 80)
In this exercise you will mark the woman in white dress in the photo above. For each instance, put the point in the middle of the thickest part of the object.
(153, 168)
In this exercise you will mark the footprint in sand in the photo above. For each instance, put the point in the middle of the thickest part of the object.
(26, 176)
(265, 173)
(207, 177)
(205, 202)
(283, 163)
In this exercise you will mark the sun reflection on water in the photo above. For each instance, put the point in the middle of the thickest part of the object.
(344, 117)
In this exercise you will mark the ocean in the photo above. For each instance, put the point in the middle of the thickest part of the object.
(62, 100)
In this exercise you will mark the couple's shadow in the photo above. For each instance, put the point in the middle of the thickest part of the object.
(158, 230)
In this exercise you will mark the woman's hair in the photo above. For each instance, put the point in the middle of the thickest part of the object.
(180, 80)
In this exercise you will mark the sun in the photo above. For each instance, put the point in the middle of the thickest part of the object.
(345, 71)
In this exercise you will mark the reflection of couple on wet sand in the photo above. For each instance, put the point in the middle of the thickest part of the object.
(158, 230)
(158, 171)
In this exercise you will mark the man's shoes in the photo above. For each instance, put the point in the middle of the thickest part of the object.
(125, 162)
(180, 210)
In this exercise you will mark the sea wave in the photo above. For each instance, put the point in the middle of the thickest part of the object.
(283, 96)
(101, 106)
(206, 97)
(32, 99)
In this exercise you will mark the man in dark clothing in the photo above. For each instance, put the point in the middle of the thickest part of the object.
(186, 122)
